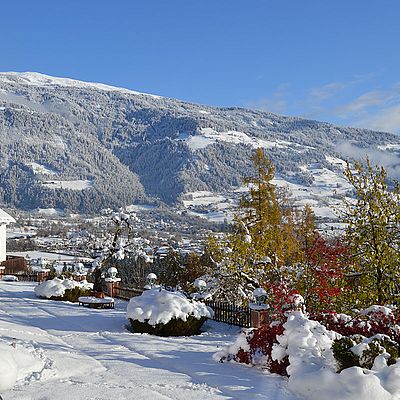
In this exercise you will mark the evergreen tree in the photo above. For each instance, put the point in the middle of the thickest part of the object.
(192, 269)
(171, 269)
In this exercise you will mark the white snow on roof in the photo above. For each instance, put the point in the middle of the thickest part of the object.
(5, 218)
(37, 79)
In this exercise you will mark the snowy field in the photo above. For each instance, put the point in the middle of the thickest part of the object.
(89, 354)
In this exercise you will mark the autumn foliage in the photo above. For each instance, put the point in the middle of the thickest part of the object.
(261, 342)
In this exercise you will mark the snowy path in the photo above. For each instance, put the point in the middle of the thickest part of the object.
(89, 354)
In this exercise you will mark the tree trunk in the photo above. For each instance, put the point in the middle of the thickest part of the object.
(98, 284)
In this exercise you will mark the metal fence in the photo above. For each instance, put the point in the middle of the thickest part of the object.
(230, 314)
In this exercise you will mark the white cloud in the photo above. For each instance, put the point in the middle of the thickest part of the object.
(328, 91)
(276, 103)
(361, 103)
(348, 103)
(377, 157)
(385, 119)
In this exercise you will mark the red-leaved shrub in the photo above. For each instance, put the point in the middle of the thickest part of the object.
(261, 341)
(365, 323)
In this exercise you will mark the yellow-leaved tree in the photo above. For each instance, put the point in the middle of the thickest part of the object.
(263, 238)
(373, 233)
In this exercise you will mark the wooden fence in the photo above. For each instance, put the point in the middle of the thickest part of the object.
(126, 293)
(230, 314)
(14, 265)
(120, 292)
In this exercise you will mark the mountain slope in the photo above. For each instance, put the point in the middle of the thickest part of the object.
(84, 146)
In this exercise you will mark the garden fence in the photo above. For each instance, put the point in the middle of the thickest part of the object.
(230, 314)
(223, 312)
(125, 293)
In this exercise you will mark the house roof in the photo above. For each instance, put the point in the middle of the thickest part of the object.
(5, 218)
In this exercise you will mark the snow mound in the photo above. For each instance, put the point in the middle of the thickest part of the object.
(56, 287)
(312, 369)
(160, 306)
(16, 363)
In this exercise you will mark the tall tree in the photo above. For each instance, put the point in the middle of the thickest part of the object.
(262, 239)
(267, 215)
(171, 269)
(115, 243)
(373, 231)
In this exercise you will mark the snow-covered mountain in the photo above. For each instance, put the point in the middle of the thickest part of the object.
(84, 146)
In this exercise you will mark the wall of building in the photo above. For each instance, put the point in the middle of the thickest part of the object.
(3, 239)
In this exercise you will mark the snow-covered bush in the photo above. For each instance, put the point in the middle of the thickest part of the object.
(372, 321)
(254, 347)
(16, 363)
(62, 289)
(166, 313)
(313, 370)
(322, 363)
(357, 351)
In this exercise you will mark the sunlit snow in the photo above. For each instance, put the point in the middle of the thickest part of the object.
(90, 354)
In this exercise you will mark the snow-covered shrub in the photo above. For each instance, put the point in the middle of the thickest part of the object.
(357, 351)
(315, 361)
(59, 289)
(372, 321)
(73, 295)
(166, 313)
(313, 369)
(345, 358)
(255, 347)
(50, 288)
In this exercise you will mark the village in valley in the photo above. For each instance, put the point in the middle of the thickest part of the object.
(257, 287)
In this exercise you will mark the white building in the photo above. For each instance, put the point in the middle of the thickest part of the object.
(5, 219)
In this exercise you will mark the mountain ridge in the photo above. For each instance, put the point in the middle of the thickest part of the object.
(115, 147)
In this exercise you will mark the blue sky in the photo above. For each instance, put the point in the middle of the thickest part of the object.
(336, 61)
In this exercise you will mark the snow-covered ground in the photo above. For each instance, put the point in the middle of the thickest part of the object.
(72, 185)
(89, 354)
(204, 204)
(47, 257)
(37, 79)
(41, 169)
(208, 136)
(324, 194)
